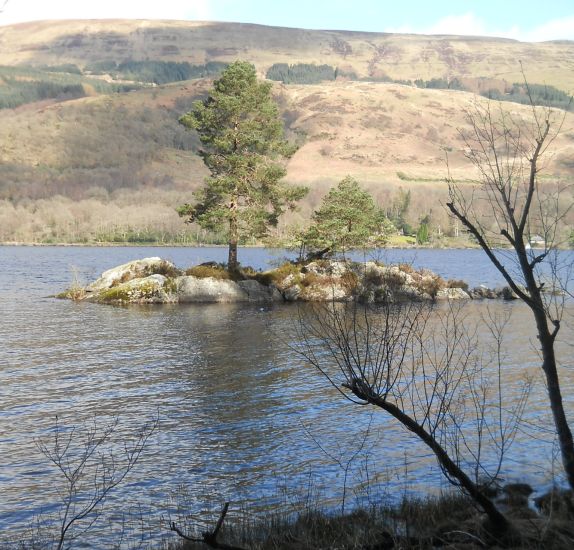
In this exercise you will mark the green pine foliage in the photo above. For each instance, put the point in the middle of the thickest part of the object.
(20, 93)
(348, 218)
(423, 233)
(162, 72)
(69, 68)
(439, 84)
(243, 146)
(106, 66)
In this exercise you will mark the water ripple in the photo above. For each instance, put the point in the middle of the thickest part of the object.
(235, 405)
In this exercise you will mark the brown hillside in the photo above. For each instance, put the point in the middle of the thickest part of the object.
(104, 167)
(128, 151)
(370, 55)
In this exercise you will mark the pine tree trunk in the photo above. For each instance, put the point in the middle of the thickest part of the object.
(232, 263)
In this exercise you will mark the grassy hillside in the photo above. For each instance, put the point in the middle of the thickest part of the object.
(101, 164)
(369, 55)
(128, 150)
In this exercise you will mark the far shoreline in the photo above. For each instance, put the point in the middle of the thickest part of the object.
(180, 245)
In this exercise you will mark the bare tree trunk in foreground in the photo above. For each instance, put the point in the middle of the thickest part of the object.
(507, 153)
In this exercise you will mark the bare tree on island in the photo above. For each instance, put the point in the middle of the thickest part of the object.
(508, 153)
(243, 145)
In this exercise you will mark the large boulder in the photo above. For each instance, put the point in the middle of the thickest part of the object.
(452, 294)
(258, 293)
(482, 292)
(129, 271)
(155, 289)
(323, 268)
(325, 292)
(292, 293)
(209, 290)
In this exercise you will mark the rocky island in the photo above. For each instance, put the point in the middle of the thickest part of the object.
(158, 281)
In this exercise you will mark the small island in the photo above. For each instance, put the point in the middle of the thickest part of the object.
(158, 281)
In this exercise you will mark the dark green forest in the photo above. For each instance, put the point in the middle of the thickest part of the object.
(156, 72)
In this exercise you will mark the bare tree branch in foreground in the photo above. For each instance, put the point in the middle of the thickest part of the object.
(508, 153)
(420, 365)
(91, 470)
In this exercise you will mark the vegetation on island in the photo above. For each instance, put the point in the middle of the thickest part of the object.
(348, 218)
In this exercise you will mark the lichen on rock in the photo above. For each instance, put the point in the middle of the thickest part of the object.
(154, 289)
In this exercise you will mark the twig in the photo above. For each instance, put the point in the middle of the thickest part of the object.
(469, 535)
(208, 538)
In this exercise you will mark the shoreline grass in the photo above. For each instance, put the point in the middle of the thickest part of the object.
(450, 520)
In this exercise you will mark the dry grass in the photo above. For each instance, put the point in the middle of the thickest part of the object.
(450, 521)
(204, 271)
(398, 56)
(45, 145)
(457, 283)
(166, 269)
(278, 275)
(431, 285)
(77, 291)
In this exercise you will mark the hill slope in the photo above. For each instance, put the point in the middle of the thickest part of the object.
(369, 55)
(114, 167)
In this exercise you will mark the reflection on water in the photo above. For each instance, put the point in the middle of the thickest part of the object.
(239, 412)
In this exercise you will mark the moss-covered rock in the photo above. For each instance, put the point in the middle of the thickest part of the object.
(155, 289)
(136, 269)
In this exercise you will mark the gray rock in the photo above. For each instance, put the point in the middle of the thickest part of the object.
(482, 292)
(331, 268)
(209, 290)
(515, 495)
(259, 293)
(291, 293)
(408, 293)
(155, 289)
(127, 272)
(324, 293)
(506, 293)
(452, 294)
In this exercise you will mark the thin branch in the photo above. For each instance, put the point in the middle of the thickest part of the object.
(208, 538)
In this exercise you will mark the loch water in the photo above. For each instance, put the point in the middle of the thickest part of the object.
(241, 416)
